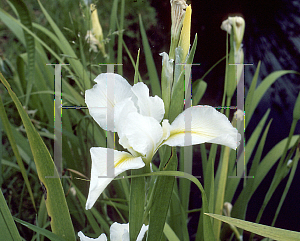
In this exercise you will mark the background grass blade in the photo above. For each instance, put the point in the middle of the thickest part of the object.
(39, 230)
(9, 230)
(153, 76)
(263, 230)
(30, 49)
(56, 204)
(264, 86)
(12, 141)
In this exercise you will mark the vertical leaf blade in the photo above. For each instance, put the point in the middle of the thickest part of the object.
(154, 81)
(56, 204)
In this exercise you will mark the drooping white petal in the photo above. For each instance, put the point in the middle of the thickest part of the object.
(82, 237)
(207, 125)
(148, 106)
(104, 169)
(100, 99)
(119, 232)
(141, 133)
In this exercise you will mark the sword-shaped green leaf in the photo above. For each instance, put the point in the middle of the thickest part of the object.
(56, 204)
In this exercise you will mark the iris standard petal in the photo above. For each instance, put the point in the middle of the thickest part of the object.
(82, 237)
(103, 170)
(206, 125)
(101, 99)
(141, 133)
(148, 105)
(122, 109)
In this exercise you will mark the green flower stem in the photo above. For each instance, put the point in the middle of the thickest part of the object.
(228, 103)
(236, 232)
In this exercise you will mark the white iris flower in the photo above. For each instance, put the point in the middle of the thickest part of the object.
(118, 232)
(137, 118)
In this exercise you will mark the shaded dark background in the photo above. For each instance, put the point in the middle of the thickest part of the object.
(272, 35)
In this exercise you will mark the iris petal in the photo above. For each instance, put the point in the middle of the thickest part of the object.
(143, 134)
(100, 102)
(103, 171)
(207, 125)
(148, 106)
(82, 237)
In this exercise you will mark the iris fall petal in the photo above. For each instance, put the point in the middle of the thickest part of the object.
(103, 171)
(207, 125)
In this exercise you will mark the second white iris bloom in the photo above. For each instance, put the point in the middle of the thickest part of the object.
(137, 118)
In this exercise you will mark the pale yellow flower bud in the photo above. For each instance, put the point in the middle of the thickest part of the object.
(185, 36)
(97, 29)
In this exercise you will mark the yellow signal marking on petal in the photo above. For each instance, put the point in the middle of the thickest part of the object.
(200, 133)
(126, 157)
(121, 160)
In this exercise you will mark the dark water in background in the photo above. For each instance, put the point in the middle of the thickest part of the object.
(272, 35)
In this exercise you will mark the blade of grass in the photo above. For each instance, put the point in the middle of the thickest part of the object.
(233, 182)
(249, 98)
(153, 76)
(207, 225)
(67, 50)
(221, 191)
(9, 230)
(136, 204)
(112, 28)
(288, 185)
(162, 195)
(264, 86)
(135, 65)
(61, 223)
(120, 39)
(13, 144)
(39, 230)
(263, 230)
(170, 234)
(30, 48)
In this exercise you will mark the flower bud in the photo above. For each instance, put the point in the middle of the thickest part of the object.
(166, 80)
(236, 27)
(227, 209)
(289, 163)
(96, 28)
(177, 15)
(237, 24)
(185, 36)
